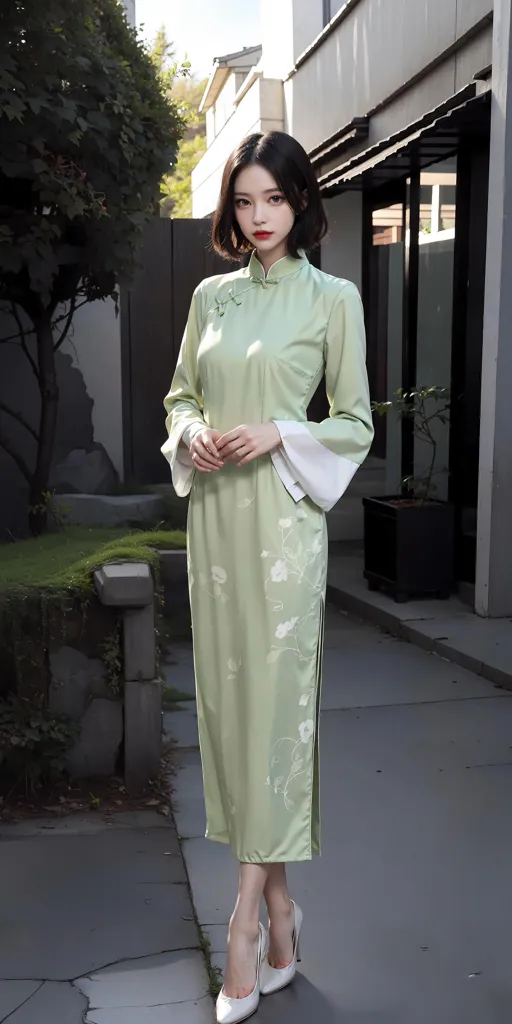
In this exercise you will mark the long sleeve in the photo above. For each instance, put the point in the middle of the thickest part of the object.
(320, 459)
(184, 404)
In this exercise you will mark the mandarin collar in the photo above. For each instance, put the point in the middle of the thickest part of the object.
(281, 268)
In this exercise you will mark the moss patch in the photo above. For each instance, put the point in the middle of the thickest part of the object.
(67, 560)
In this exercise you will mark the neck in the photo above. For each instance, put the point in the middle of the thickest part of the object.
(267, 259)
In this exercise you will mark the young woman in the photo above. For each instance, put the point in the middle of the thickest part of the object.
(261, 477)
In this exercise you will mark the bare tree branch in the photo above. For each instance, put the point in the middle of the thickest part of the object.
(23, 340)
(20, 418)
(67, 325)
(19, 460)
(11, 338)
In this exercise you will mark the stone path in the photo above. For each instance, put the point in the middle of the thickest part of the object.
(96, 925)
(407, 913)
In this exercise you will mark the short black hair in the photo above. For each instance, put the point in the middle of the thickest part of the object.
(290, 166)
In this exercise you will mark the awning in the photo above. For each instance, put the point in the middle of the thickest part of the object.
(434, 137)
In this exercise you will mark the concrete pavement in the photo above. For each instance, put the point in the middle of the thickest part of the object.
(407, 913)
(96, 924)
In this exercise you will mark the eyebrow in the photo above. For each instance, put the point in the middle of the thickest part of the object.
(266, 192)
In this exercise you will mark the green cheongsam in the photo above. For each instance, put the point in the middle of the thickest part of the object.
(255, 349)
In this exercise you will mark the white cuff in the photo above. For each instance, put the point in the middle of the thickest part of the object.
(190, 432)
(324, 475)
(182, 467)
(284, 470)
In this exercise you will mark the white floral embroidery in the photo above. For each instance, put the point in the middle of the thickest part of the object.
(293, 563)
(298, 563)
(306, 730)
(284, 628)
(218, 577)
(245, 502)
(286, 752)
(279, 571)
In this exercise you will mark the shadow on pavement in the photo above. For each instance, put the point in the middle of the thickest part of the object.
(303, 1003)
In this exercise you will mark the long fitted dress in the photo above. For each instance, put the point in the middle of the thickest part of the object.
(255, 349)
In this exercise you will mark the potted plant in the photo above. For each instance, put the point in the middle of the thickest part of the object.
(409, 537)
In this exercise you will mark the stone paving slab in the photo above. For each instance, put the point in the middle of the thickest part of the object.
(96, 924)
(483, 646)
(188, 800)
(180, 675)
(148, 981)
(14, 993)
(196, 1012)
(52, 1003)
(392, 676)
(407, 911)
(88, 823)
(183, 729)
(128, 891)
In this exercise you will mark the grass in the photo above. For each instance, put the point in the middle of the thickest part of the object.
(171, 696)
(68, 559)
(214, 973)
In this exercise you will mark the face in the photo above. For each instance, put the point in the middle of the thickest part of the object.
(262, 212)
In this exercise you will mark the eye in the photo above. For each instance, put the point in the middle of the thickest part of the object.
(276, 200)
(241, 203)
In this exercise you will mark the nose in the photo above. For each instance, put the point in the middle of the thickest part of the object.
(259, 215)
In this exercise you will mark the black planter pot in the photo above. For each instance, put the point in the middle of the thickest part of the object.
(409, 548)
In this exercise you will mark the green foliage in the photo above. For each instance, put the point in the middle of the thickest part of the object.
(88, 129)
(65, 562)
(34, 743)
(186, 92)
(112, 658)
(423, 407)
(87, 133)
(214, 973)
(177, 187)
(172, 696)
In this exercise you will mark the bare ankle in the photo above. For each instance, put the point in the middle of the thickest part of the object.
(278, 903)
(244, 924)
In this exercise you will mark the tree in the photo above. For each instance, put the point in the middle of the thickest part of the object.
(187, 92)
(87, 133)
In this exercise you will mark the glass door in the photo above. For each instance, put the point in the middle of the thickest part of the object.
(384, 300)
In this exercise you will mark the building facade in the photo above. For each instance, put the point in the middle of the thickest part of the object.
(403, 109)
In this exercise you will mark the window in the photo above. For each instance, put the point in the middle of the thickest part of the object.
(331, 7)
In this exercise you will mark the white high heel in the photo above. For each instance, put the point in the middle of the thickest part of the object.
(275, 978)
(231, 1011)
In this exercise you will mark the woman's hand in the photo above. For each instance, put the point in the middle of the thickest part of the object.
(204, 450)
(247, 442)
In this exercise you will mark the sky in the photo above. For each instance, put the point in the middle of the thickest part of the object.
(202, 29)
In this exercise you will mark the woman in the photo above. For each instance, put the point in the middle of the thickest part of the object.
(257, 343)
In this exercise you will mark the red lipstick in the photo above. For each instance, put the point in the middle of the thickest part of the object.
(263, 234)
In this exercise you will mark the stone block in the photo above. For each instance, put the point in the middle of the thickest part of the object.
(75, 679)
(128, 584)
(111, 510)
(85, 472)
(139, 643)
(142, 733)
(96, 751)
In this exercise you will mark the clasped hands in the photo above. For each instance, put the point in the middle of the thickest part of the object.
(210, 449)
